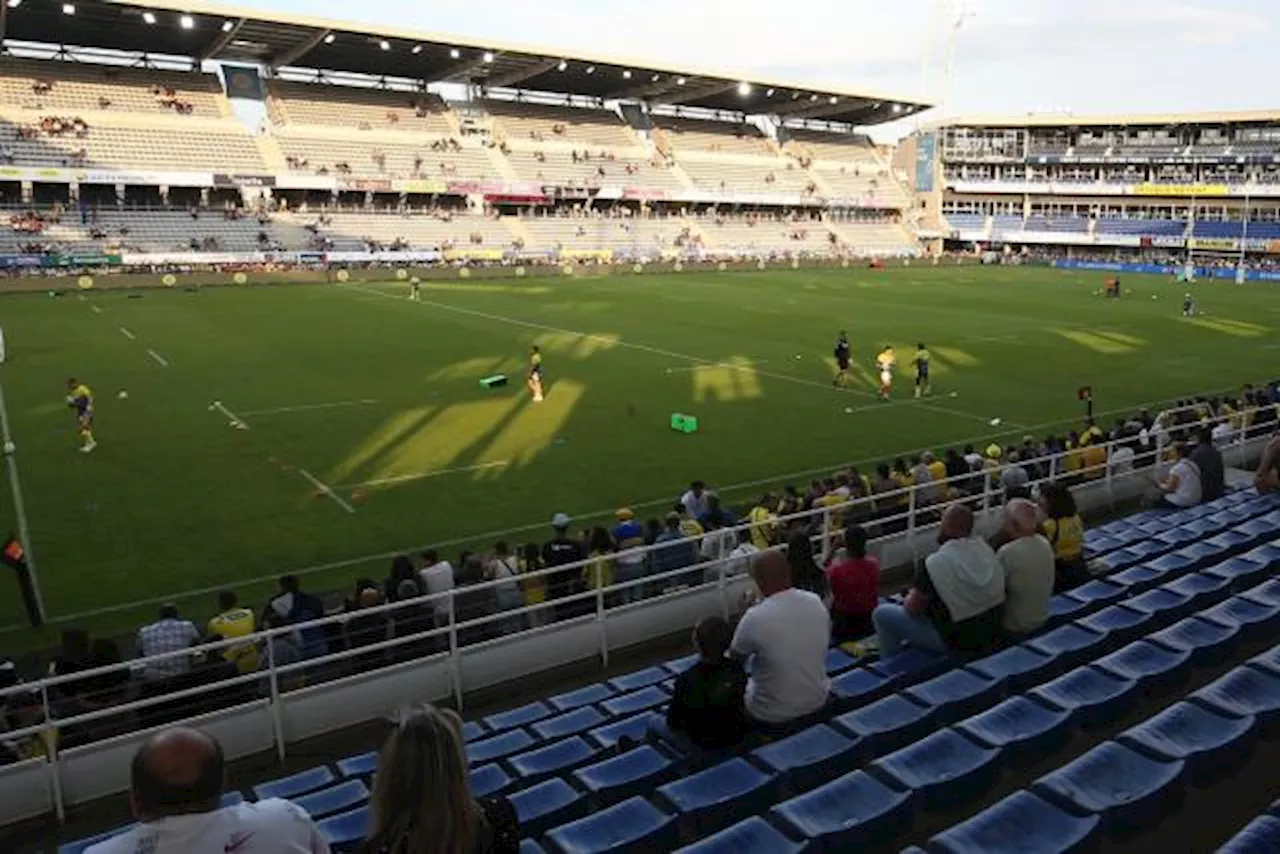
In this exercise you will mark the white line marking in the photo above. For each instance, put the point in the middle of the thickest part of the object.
(236, 421)
(999, 339)
(402, 478)
(311, 406)
(95, 309)
(325, 490)
(19, 506)
(160, 359)
(658, 351)
(126, 333)
(745, 367)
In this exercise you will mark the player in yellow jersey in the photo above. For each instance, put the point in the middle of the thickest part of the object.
(885, 363)
(80, 398)
(921, 362)
(535, 374)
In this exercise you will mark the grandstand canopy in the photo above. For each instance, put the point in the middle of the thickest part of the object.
(213, 32)
(1068, 120)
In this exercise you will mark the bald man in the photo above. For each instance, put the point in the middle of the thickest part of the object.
(785, 635)
(175, 792)
(956, 599)
(1027, 559)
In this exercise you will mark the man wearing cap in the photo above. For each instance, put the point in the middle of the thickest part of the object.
(563, 550)
(629, 535)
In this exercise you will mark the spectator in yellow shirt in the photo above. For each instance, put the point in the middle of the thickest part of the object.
(764, 524)
(231, 622)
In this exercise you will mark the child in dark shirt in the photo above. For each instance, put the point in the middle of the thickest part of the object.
(706, 711)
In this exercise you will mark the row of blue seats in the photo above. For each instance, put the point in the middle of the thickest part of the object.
(1260, 836)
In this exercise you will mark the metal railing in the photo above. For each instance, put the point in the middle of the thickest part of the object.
(896, 519)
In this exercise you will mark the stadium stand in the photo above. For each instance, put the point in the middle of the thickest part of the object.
(571, 126)
(54, 87)
(327, 105)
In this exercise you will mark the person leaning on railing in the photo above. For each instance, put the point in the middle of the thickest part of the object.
(1267, 478)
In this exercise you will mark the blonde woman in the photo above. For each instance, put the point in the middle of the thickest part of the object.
(422, 802)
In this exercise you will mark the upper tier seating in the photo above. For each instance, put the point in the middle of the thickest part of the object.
(741, 174)
(767, 234)
(967, 222)
(361, 108)
(555, 166)
(348, 231)
(1169, 227)
(1066, 224)
(1259, 230)
(833, 147)
(638, 236)
(74, 87)
(574, 126)
(178, 144)
(924, 732)
(720, 137)
(404, 155)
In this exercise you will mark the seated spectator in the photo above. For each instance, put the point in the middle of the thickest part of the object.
(764, 522)
(72, 658)
(233, 621)
(786, 637)
(533, 587)
(1267, 477)
(296, 606)
(696, 499)
(805, 574)
(672, 551)
(175, 793)
(105, 689)
(629, 566)
(503, 568)
(600, 571)
(706, 710)
(167, 634)
(563, 550)
(280, 650)
(956, 600)
(1207, 458)
(1027, 560)
(437, 579)
(1182, 486)
(1064, 529)
(855, 587)
(421, 799)
(401, 571)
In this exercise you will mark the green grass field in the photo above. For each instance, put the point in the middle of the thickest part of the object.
(379, 398)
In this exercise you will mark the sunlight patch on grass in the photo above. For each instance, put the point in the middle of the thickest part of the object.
(733, 379)
(480, 366)
(1096, 342)
(438, 443)
(532, 430)
(385, 437)
(955, 356)
(1238, 328)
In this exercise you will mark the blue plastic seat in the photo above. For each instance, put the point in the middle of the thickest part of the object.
(360, 765)
(1260, 836)
(1155, 668)
(809, 758)
(1257, 621)
(718, 796)
(1122, 558)
(472, 730)
(1128, 790)
(1259, 529)
(1022, 729)
(1175, 536)
(1270, 552)
(888, 724)
(1118, 623)
(1267, 593)
(498, 746)
(1098, 592)
(1207, 642)
(489, 780)
(1068, 646)
(563, 755)
(633, 727)
(1020, 824)
(1164, 605)
(346, 831)
(528, 846)
(676, 666)
(230, 799)
(911, 665)
(343, 796)
(547, 805)
(639, 679)
(943, 769)
(294, 784)
(521, 716)
(857, 687)
(839, 661)
(1243, 571)
(1137, 578)
(1091, 696)
(634, 826)
(753, 836)
(636, 701)
(80, 845)
(845, 814)
(1232, 542)
(1268, 661)
(1064, 609)
(1204, 589)
(569, 723)
(956, 694)
(1200, 554)
(581, 697)
(1017, 667)
(620, 777)
(1243, 692)
(1212, 745)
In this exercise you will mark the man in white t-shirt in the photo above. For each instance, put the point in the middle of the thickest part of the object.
(1028, 564)
(175, 791)
(694, 500)
(786, 637)
(1181, 487)
(437, 577)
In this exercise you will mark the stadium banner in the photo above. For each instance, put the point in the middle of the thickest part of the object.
(364, 185)
(243, 81)
(12, 262)
(1181, 190)
(397, 257)
(587, 254)
(472, 254)
(1167, 241)
(644, 194)
(926, 154)
(146, 259)
(420, 185)
(149, 179)
(306, 182)
(27, 173)
(1165, 270)
(90, 260)
(1215, 244)
(221, 179)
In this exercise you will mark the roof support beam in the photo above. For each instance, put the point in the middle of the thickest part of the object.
(301, 49)
(687, 94)
(462, 71)
(645, 90)
(219, 44)
(806, 109)
(517, 75)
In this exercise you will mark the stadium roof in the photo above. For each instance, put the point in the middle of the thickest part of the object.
(213, 32)
(1044, 120)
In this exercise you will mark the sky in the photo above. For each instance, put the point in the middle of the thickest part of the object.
(1006, 56)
